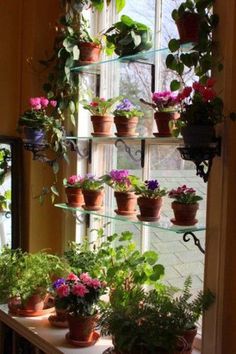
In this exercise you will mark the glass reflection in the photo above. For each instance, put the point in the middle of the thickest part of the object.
(5, 195)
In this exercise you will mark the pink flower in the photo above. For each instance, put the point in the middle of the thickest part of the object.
(79, 290)
(72, 276)
(85, 278)
(53, 103)
(209, 94)
(34, 101)
(63, 290)
(74, 179)
(44, 102)
(37, 107)
(95, 283)
(210, 82)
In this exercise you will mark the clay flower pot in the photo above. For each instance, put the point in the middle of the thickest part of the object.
(75, 197)
(81, 328)
(126, 203)
(126, 126)
(184, 343)
(198, 135)
(89, 52)
(102, 125)
(93, 199)
(34, 303)
(162, 121)
(188, 27)
(149, 208)
(185, 214)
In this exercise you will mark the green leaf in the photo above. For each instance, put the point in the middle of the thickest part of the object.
(175, 15)
(55, 191)
(76, 52)
(72, 119)
(120, 4)
(55, 167)
(127, 20)
(72, 107)
(174, 85)
(136, 38)
(126, 236)
(174, 45)
(151, 257)
(171, 61)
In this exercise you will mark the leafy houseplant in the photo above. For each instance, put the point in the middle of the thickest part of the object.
(101, 117)
(81, 294)
(165, 105)
(27, 276)
(73, 190)
(150, 199)
(5, 201)
(200, 110)
(126, 118)
(200, 58)
(128, 37)
(185, 205)
(93, 192)
(122, 183)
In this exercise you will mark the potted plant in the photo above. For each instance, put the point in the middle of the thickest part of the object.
(35, 120)
(166, 106)
(73, 190)
(93, 192)
(150, 199)
(128, 37)
(185, 205)
(200, 110)
(126, 118)
(121, 182)
(82, 294)
(27, 277)
(101, 117)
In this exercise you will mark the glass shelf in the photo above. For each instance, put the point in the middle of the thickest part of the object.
(136, 138)
(164, 223)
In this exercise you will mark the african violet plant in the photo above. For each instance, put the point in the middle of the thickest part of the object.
(120, 180)
(150, 189)
(99, 106)
(184, 195)
(165, 101)
(127, 110)
(92, 183)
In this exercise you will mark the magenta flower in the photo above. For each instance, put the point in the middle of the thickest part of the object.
(95, 283)
(53, 103)
(79, 290)
(44, 102)
(119, 175)
(72, 276)
(74, 179)
(63, 290)
(34, 101)
(85, 278)
(184, 195)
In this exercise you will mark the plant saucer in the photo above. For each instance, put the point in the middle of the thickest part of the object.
(55, 322)
(125, 213)
(81, 344)
(147, 218)
(31, 313)
(127, 135)
(100, 135)
(182, 223)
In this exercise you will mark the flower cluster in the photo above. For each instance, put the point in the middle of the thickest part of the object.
(78, 293)
(74, 181)
(165, 101)
(91, 182)
(184, 195)
(150, 189)
(36, 117)
(100, 106)
(200, 104)
(120, 180)
(126, 109)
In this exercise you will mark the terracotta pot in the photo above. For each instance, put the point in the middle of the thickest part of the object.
(93, 199)
(126, 203)
(102, 125)
(149, 208)
(198, 135)
(185, 214)
(185, 342)
(75, 197)
(162, 121)
(188, 27)
(81, 328)
(34, 136)
(126, 126)
(34, 303)
(89, 52)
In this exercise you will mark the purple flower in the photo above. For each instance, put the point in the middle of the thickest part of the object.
(125, 105)
(58, 283)
(165, 99)
(152, 184)
(119, 175)
(90, 176)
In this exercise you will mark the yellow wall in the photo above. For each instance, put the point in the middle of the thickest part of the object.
(27, 32)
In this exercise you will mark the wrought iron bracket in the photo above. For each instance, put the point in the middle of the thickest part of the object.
(138, 155)
(36, 150)
(187, 238)
(202, 157)
(83, 153)
(82, 218)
